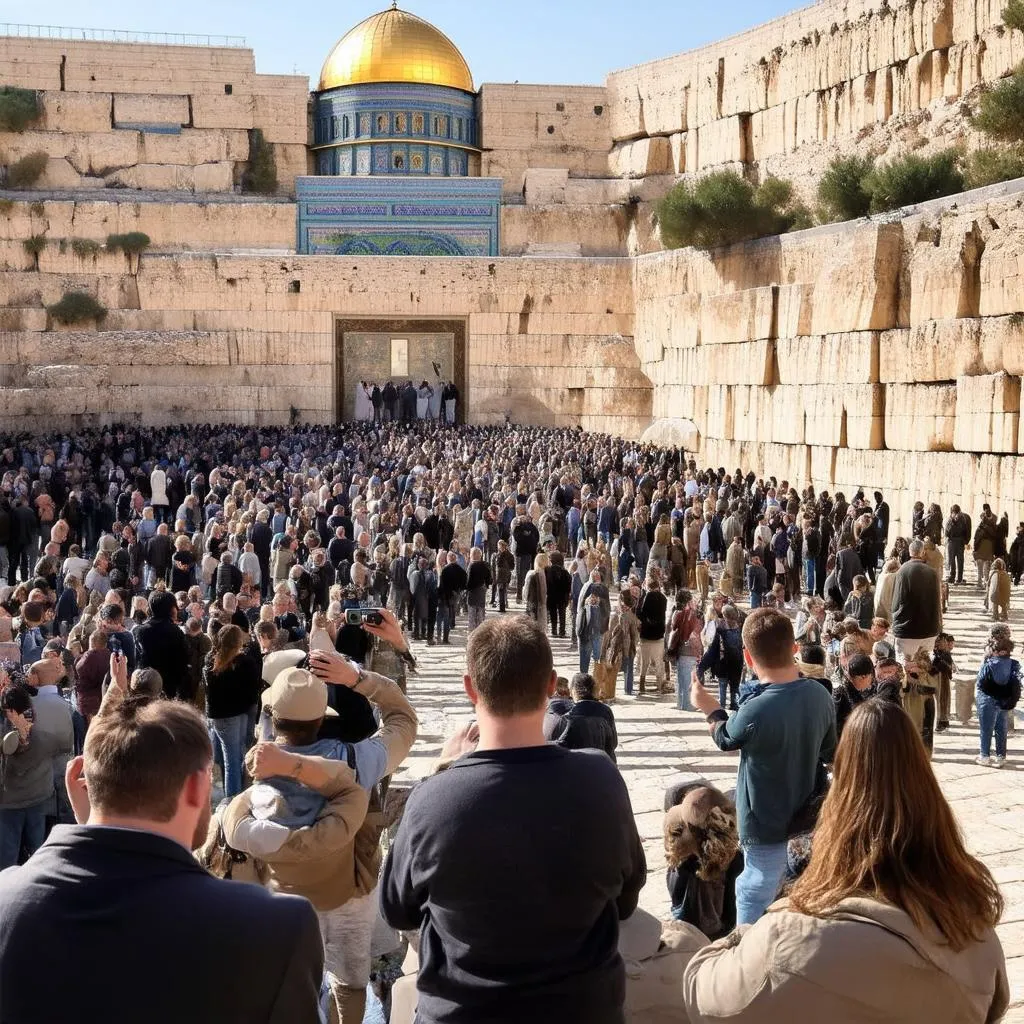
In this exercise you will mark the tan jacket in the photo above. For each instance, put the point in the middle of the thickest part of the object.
(327, 863)
(866, 962)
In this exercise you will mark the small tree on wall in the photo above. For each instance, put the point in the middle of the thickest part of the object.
(261, 176)
(18, 108)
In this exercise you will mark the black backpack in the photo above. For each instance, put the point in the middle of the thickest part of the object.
(729, 653)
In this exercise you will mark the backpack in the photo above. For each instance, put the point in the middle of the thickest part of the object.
(728, 653)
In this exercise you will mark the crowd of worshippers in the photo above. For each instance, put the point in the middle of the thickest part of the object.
(249, 597)
(405, 401)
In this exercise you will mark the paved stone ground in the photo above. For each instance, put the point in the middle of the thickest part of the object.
(658, 742)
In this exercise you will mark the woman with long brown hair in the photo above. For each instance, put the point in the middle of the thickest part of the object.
(231, 676)
(893, 919)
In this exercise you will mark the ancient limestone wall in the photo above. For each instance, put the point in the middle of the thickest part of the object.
(882, 353)
(544, 126)
(875, 76)
(153, 117)
(245, 338)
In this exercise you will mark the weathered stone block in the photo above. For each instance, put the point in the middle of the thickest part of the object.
(851, 358)
(641, 158)
(146, 110)
(987, 413)
(920, 417)
(944, 278)
(747, 315)
(936, 350)
(75, 112)
(216, 177)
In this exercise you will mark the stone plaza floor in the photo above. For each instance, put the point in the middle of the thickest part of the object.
(658, 742)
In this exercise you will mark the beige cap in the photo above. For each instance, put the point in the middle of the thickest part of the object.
(277, 661)
(297, 696)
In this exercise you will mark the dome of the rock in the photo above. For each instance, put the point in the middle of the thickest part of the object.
(397, 47)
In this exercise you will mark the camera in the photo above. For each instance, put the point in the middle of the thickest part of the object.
(357, 616)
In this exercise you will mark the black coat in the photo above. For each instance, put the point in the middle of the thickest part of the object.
(160, 644)
(86, 885)
(589, 725)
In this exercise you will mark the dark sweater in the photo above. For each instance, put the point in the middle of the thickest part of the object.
(783, 735)
(915, 602)
(651, 613)
(588, 725)
(233, 691)
(517, 866)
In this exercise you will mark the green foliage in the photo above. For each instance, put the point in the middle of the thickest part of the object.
(1017, 320)
(84, 247)
(914, 179)
(261, 177)
(34, 245)
(131, 243)
(76, 308)
(1001, 113)
(6, 205)
(26, 171)
(841, 191)
(1013, 15)
(992, 164)
(18, 108)
(723, 208)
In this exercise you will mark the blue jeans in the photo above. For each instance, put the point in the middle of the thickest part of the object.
(758, 884)
(684, 671)
(991, 718)
(809, 566)
(728, 688)
(26, 827)
(230, 733)
(589, 649)
(627, 672)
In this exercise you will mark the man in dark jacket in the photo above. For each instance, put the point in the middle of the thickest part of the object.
(229, 576)
(453, 580)
(24, 530)
(559, 593)
(525, 542)
(588, 724)
(261, 536)
(958, 536)
(158, 555)
(916, 604)
(161, 645)
(129, 871)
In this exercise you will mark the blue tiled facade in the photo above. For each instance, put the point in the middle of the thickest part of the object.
(395, 131)
(398, 216)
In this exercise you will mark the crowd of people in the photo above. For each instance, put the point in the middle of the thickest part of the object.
(256, 599)
(404, 401)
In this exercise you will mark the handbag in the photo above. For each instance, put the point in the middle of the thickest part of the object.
(605, 674)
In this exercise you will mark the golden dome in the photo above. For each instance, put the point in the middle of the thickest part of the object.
(395, 46)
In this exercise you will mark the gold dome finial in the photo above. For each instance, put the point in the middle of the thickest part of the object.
(395, 46)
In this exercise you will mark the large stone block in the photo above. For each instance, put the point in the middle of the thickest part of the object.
(216, 177)
(944, 278)
(851, 358)
(237, 111)
(920, 417)
(747, 315)
(987, 413)
(75, 112)
(936, 350)
(151, 110)
(641, 158)
(722, 142)
(100, 154)
(158, 177)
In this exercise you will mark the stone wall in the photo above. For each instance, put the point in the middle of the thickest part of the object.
(244, 338)
(878, 76)
(881, 353)
(544, 126)
(152, 117)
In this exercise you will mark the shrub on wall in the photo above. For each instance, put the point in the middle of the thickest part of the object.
(914, 179)
(26, 171)
(1013, 15)
(76, 308)
(84, 247)
(723, 208)
(261, 177)
(34, 245)
(841, 191)
(993, 164)
(130, 243)
(18, 108)
(1001, 113)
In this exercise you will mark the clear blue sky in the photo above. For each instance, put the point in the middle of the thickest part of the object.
(553, 41)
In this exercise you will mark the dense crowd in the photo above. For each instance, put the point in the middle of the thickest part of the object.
(257, 598)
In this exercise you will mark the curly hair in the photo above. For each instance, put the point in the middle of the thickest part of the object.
(702, 826)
